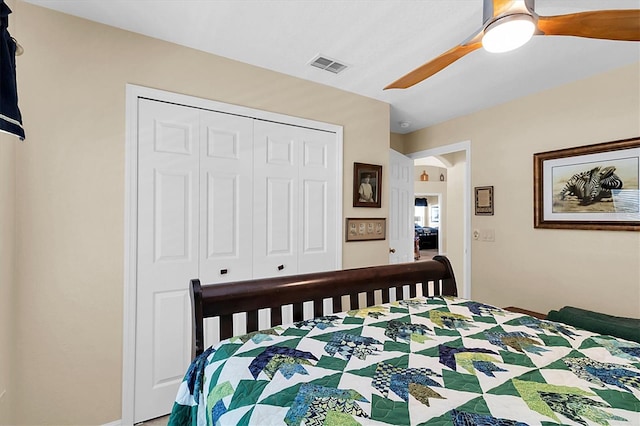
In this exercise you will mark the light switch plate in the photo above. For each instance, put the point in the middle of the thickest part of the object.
(488, 235)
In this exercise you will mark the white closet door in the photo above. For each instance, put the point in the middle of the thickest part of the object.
(275, 206)
(226, 176)
(295, 209)
(218, 192)
(317, 174)
(168, 192)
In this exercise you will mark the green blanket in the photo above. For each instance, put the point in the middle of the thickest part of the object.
(625, 328)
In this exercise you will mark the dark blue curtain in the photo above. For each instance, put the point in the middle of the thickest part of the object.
(10, 117)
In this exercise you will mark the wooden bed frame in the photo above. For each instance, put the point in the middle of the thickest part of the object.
(225, 299)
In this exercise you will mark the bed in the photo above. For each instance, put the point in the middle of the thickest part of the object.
(397, 346)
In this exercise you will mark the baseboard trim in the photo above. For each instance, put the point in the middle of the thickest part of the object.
(114, 423)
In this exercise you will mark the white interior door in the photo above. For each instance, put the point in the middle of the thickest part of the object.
(295, 210)
(194, 221)
(275, 200)
(167, 256)
(226, 192)
(226, 217)
(317, 175)
(401, 209)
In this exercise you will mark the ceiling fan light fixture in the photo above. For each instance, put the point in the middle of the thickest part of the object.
(508, 33)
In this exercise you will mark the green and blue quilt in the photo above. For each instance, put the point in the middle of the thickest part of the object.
(424, 361)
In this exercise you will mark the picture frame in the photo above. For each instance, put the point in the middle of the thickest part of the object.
(435, 214)
(484, 200)
(365, 229)
(594, 187)
(367, 185)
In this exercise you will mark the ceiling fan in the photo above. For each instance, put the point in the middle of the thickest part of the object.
(509, 24)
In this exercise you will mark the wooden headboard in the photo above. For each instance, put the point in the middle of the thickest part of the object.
(225, 299)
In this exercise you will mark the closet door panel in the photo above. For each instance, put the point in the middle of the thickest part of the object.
(314, 238)
(280, 212)
(318, 216)
(226, 175)
(167, 256)
(276, 201)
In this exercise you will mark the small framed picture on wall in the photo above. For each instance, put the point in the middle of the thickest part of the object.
(484, 200)
(367, 185)
(435, 214)
(359, 229)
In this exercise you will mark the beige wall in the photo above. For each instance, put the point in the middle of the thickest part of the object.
(433, 173)
(396, 141)
(543, 269)
(70, 185)
(7, 271)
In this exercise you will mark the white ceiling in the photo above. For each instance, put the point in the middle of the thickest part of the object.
(380, 40)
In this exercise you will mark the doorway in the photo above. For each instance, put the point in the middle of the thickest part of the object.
(430, 192)
(455, 209)
(429, 213)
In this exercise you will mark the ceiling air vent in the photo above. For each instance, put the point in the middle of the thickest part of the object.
(327, 64)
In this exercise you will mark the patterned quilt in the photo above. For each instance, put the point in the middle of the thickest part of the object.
(436, 361)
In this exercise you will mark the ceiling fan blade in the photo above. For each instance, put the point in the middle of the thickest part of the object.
(432, 67)
(602, 24)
